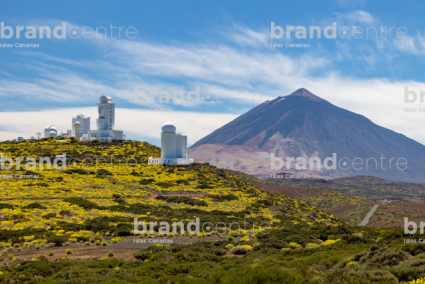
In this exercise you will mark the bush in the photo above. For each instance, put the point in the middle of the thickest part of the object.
(110, 254)
(10, 256)
(50, 253)
(243, 249)
(83, 203)
(49, 215)
(142, 255)
(413, 249)
(69, 251)
(75, 171)
(147, 181)
(163, 184)
(6, 206)
(34, 205)
(294, 245)
(185, 200)
(57, 240)
(223, 198)
(103, 172)
(260, 274)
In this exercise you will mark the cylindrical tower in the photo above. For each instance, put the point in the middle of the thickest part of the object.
(77, 126)
(168, 141)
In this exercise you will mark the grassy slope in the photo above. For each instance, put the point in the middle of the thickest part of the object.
(107, 199)
(371, 188)
(343, 205)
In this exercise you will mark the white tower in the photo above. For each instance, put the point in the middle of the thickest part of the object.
(173, 147)
(38, 135)
(77, 126)
(105, 123)
(84, 122)
(106, 109)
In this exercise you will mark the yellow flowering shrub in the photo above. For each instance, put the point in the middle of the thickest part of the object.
(294, 245)
(330, 242)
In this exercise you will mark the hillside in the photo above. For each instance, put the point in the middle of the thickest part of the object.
(108, 198)
(346, 206)
(302, 125)
(371, 188)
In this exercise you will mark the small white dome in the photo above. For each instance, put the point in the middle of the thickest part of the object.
(105, 99)
(52, 134)
(77, 123)
(80, 115)
(168, 127)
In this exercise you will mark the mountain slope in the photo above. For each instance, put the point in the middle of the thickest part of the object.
(304, 125)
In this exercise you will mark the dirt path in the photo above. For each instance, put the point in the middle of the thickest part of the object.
(123, 250)
(366, 219)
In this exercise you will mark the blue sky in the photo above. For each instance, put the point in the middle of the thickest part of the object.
(222, 47)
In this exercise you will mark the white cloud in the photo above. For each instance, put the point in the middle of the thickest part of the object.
(126, 64)
(359, 16)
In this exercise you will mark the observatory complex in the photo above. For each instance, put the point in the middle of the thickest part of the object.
(81, 126)
(173, 147)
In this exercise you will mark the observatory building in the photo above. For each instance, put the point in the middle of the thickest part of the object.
(173, 147)
(48, 130)
(84, 122)
(105, 123)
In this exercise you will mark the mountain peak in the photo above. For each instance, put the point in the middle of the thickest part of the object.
(301, 92)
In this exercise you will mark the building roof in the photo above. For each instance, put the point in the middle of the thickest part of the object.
(168, 127)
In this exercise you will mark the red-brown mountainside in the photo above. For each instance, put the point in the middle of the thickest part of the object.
(304, 125)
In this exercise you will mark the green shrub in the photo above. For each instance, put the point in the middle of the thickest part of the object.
(69, 251)
(142, 255)
(147, 181)
(414, 249)
(75, 171)
(34, 205)
(49, 215)
(179, 199)
(50, 253)
(110, 254)
(83, 203)
(57, 240)
(103, 172)
(6, 206)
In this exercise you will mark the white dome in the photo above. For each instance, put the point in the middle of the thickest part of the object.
(52, 134)
(77, 123)
(105, 99)
(50, 128)
(168, 127)
(80, 115)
